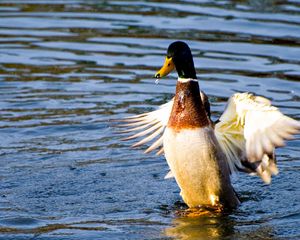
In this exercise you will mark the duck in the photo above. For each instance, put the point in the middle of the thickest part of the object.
(203, 154)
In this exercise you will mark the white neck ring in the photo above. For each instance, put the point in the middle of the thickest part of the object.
(184, 80)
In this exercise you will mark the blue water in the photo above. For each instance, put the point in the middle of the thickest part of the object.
(68, 67)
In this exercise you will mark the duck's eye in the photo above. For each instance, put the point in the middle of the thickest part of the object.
(169, 65)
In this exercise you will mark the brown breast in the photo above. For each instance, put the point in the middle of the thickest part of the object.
(188, 110)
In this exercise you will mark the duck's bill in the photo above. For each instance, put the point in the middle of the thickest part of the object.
(166, 68)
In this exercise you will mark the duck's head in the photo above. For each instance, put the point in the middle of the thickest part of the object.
(179, 57)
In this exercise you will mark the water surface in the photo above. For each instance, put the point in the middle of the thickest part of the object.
(67, 67)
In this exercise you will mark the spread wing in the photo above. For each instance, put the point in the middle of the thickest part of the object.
(249, 130)
(150, 126)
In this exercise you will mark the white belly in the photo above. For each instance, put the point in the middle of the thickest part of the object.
(194, 156)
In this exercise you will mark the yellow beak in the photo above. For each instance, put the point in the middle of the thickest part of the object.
(166, 68)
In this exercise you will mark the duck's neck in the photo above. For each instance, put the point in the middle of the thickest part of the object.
(185, 66)
(188, 110)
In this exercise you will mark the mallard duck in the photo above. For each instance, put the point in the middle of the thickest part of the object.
(202, 154)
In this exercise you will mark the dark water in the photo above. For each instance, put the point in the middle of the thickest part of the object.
(67, 67)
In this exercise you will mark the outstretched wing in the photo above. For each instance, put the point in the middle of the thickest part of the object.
(150, 126)
(249, 130)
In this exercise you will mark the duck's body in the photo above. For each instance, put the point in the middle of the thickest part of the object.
(193, 152)
(202, 155)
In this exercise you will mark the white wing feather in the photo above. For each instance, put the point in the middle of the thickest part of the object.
(151, 125)
(249, 131)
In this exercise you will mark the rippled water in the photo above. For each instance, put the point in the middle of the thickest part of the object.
(67, 67)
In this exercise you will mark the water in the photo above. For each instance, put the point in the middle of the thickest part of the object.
(67, 67)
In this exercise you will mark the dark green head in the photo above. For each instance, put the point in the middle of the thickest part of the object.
(179, 56)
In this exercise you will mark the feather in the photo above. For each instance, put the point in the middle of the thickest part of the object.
(169, 175)
(150, 137)
(249, 130)
(155, 145)
(145, 132)
(148, 125)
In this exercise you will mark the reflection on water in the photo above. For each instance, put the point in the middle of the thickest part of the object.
(215, 227)
(205, 227)
(67, 67)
